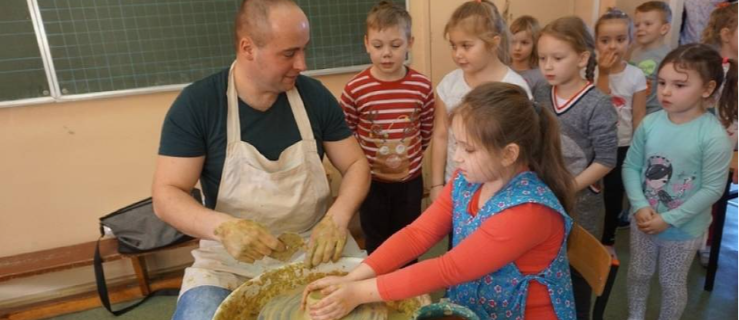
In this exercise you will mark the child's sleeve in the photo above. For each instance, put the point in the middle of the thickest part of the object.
(415, 239)
(500, 240)
(427, 118)
(715, 172)
(348, 104)
(602, 129)
(631, 171)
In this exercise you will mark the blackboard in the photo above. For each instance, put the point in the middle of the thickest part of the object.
(109, 45)
(22, 73)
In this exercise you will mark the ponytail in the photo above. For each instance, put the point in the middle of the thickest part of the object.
(496, 114)
(727, 104)
(548, 163)
(592, 64)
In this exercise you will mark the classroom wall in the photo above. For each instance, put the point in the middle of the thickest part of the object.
(66, 164)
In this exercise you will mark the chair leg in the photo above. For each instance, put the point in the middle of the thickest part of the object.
(600, 303)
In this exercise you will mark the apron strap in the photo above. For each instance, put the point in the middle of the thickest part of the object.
(301, 117)
(233, 125)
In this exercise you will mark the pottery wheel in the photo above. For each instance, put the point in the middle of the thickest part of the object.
(287, 306)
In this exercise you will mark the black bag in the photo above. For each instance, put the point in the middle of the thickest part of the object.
(138, 230)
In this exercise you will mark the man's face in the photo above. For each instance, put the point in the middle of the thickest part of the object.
(281, 59)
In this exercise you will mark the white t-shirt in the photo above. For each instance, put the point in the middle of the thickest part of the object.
(623, 86)
(451, 90)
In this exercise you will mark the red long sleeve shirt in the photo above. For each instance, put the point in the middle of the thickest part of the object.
(530, 235)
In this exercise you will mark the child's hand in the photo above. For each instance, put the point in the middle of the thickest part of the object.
(654, 226)
(606, 61)
(643, 215)
(338, 301)
(321, 284)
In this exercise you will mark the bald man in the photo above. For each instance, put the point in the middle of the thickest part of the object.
(254, 135)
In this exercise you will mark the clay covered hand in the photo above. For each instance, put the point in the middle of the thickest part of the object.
(332, 302)
(247, 241)
(326, 243)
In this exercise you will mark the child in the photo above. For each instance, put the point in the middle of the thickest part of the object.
(721, 34)
(479, 39)
(390, 108)
(721, 31)
(652, 21)
(627, 86)
(587, 122)
(524, 60)
(511, 180)
(675, 170)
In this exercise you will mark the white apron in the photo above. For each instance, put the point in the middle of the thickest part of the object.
(290, 194)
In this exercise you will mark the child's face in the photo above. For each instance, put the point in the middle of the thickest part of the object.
(613, 36)
(681, 91)
(522, 46)
(558, 61)
(474, 162)
(730, 40)
(387, 49)
(650, 27)
(469, 52)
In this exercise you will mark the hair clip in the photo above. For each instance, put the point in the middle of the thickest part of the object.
(721, 5)
(478, 1)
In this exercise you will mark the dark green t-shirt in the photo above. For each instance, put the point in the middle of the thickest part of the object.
(196, 125)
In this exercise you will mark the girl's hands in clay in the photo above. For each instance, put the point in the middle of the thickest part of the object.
(321, 284)
(247, 241)
(338, 301)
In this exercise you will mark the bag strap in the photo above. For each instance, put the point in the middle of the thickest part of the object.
(102, 287)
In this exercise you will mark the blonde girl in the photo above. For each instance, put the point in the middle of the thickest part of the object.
(721, 31)
(587, 123)
(479, 39)
(524, 60)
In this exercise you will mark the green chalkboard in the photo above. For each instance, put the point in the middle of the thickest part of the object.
(22, 73)
(109, 45)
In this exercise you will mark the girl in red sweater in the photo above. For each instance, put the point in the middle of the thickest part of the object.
(507, 208)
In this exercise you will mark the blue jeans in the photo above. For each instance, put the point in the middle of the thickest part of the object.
(200, 303)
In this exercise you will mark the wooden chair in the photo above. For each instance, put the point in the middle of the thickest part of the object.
(595, 263)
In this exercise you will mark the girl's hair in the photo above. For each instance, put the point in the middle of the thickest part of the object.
(530, 25)
(573, 31)
(721, 17)
(483, 20)
(496, 114)
(615, 14)
(710, 66)
(386, 14)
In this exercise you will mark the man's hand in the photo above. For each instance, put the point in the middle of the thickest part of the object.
(326, 242)
(247, 241)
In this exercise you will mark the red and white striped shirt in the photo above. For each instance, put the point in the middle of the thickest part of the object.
(401, 110)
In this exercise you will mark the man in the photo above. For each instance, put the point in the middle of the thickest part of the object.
(254, 136)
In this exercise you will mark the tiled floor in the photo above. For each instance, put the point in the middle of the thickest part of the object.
(719, 304)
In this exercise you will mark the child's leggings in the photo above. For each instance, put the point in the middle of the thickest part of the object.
(674, 259)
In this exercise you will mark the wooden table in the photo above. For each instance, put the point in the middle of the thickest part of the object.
(718, 227)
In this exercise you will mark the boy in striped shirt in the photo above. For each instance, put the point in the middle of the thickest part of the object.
(390, 108)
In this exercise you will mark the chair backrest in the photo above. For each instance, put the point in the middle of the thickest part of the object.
(589, 257)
